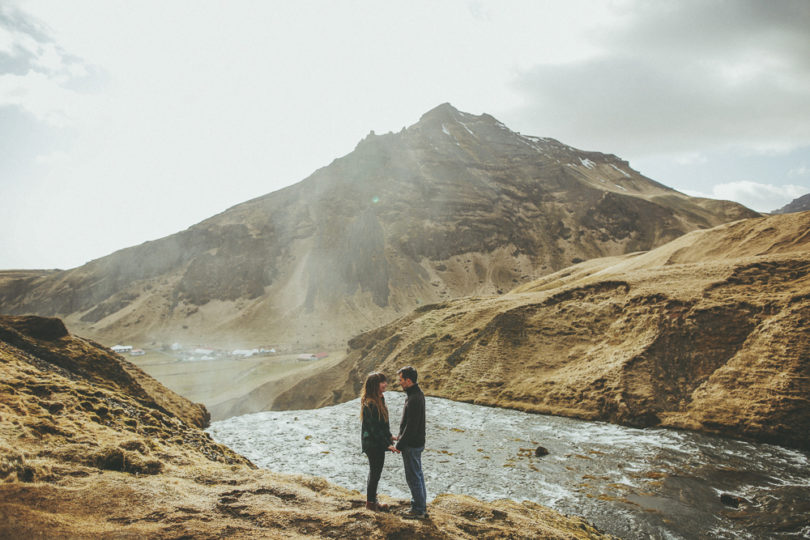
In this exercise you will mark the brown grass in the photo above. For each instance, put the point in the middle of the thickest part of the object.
(113, 463)
(707, 333)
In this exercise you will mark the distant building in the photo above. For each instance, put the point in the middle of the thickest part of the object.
(137, 352)
(246, 353)
(120, 349)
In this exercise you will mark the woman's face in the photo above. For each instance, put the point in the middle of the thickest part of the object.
(383, 386)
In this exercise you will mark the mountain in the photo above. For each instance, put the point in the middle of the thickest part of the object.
(92, 447)
(802, 204)
(708, 333)
(454, 205)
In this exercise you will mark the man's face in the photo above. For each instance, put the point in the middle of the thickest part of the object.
(405, 383)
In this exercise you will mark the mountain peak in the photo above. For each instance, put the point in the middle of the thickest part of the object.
(484, 207)
(445, 111)
(442, 116)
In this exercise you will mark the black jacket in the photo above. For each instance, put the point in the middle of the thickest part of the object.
(375, 433)
(412, 426)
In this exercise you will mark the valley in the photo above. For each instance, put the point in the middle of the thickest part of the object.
(217, 382)
(707, 333)
(513, 271)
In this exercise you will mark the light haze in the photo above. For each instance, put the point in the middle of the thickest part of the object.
(122, 122)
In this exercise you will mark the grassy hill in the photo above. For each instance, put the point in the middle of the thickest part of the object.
(708, 332)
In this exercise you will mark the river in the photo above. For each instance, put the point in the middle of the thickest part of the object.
(633, 483)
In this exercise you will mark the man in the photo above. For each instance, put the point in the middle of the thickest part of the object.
(411, 441)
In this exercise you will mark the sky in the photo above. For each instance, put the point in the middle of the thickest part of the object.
(122, 122)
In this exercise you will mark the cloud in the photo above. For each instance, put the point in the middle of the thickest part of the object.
(760, 197)
(40, 77)
(45, 99)
(681, 77)
(801, 170)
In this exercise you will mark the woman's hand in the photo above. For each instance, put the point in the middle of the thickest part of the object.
(394, 449)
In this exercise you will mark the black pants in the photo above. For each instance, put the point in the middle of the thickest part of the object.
(376, 460)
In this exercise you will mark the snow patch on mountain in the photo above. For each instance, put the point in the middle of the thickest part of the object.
(620, 170)
(587, 163)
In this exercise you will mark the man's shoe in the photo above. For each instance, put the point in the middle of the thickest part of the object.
(415, 515)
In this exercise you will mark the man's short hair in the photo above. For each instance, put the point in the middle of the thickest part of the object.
(408, 372)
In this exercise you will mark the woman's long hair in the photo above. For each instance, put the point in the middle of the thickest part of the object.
(370, 394)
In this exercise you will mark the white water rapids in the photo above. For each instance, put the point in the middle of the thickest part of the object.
(634, 483)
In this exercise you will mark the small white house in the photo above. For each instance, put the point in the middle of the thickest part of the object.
(137, 352)
(245, 353)
(120, 349)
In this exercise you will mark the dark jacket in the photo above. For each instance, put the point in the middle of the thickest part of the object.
(375, 433)
(412, 426)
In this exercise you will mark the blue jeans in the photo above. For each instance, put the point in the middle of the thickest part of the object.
(412, 459)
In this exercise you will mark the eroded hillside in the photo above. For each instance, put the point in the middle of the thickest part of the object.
(709, 332)
(92, 447)
(454, 205)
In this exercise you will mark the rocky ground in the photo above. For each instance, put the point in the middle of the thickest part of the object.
(708, 333)
(92, 447)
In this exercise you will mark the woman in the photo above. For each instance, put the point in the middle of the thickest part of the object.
(376, 434)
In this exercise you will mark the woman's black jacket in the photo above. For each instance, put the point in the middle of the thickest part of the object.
(376, 433)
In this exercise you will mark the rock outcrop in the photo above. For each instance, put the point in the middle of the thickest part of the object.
(708, 333)
(802, 204)
(90, 447)
(454, 205)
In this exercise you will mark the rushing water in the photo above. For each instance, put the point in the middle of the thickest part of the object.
(634, 483)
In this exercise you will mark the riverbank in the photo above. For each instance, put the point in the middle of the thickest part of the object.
(633, 483)
(707, 333)
(93, 447)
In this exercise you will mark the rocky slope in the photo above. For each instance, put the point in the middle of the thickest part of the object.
(454, 205)
(802, 204)
(709, 332)
(92, 447)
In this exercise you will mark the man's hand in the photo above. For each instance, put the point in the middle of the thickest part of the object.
(394, 449)
(394, 438)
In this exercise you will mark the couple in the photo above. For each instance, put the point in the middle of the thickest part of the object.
(377, 438)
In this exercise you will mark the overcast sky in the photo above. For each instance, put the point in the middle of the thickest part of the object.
(124, 121)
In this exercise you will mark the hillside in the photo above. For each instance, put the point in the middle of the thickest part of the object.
(91, 447)
(454, 205)
(802, 204)
(708, 333)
